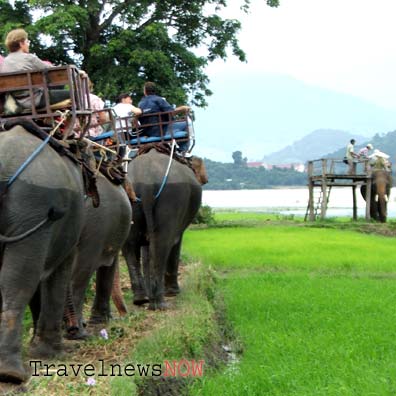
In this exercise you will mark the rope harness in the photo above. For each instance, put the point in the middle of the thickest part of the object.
(163, 150)
(36, 152)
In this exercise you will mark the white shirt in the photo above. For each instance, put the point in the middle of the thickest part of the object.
(123, 109)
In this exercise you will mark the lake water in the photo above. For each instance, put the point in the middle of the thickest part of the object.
(289, 201)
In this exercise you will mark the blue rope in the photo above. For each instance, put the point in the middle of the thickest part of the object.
(28, 161)
(165, 178)
(162, 186)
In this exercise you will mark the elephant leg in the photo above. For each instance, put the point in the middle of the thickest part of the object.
(79, 283)
(19, 279)
(159, 250)
(116, 292)
(132, 256)
(74, 327)
(47, 341)
(171, 283)
(100, 312)
(35, 306)
(382, 209)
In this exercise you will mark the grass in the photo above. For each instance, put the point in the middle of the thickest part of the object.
(307, 309)
(188, 330)
(313, 309)
(291, 248)
(309, 335)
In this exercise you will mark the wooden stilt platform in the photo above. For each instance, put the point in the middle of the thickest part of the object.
(323, 174)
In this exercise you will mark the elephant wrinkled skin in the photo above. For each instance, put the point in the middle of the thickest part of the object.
(103, 235)
(36, 268)
(159, 223)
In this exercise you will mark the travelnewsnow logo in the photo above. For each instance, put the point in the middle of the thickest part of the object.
(174, 368)
(183, 368)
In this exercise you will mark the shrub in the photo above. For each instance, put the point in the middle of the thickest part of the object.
(205, 215)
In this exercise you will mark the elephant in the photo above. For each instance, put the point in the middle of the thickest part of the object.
(41, 219)
(380, 190)
(160, 217)
(105, 231)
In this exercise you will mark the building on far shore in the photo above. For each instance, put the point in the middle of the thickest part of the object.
(259, 164)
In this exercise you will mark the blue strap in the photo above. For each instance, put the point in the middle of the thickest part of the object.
(28, 161)
(165, 178)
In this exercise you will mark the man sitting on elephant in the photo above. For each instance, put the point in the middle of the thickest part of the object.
(380, 160)
(153, 103)
(20, 59)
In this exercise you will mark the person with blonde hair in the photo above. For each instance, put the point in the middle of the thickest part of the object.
(20, 59)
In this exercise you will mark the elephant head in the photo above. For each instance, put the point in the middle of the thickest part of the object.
(199, 169)
(380, 191)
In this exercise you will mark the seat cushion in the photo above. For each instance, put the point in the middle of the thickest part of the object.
(153, 139)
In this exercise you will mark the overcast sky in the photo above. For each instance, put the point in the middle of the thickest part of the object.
(344, 45)
(328, 47)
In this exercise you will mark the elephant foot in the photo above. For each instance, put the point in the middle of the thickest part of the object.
(172, 291)
(13, 371)
(171, 285)
(140, 298)
(99, 318)
(40, 348)
(76, 334)
(158, 305)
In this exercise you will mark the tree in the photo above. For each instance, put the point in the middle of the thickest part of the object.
(238, 160)
(122, 43)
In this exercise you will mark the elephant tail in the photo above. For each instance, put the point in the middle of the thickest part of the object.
(116, 292)
(53, 215)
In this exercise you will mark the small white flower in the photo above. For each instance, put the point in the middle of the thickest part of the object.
(91, 381)
(103, 334)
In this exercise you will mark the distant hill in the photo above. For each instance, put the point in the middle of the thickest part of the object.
(385, 143)
(260, 113)
(315, 145)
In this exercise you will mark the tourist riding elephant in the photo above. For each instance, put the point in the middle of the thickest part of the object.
(166, 206)
(105, 231)
(41, 218)
(380, 190)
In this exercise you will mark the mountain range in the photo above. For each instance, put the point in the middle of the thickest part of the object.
(260, 113)
(315, 145)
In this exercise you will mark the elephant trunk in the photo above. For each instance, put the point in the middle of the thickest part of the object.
(116, 293)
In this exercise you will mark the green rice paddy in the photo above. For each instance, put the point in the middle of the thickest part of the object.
(313, 309)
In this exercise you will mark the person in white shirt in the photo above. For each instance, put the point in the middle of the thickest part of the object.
(350, 155)
(124, 111)
(125, 108)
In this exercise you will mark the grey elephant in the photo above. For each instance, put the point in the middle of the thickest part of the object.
(105, 231)
(41, 219)
(165, 209)
(380, 190)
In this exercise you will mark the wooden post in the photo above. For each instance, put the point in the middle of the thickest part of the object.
(368, 197)
(324, 190)
(311, 192)
(354, 202)
(311, 203)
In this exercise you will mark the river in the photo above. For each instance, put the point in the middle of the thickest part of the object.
(288, 201)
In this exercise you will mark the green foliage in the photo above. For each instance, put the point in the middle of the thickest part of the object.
(205, 215)
(231, 176)
(122, 44)
(238, 160)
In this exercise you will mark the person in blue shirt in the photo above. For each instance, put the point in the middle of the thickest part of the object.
(153, 103)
